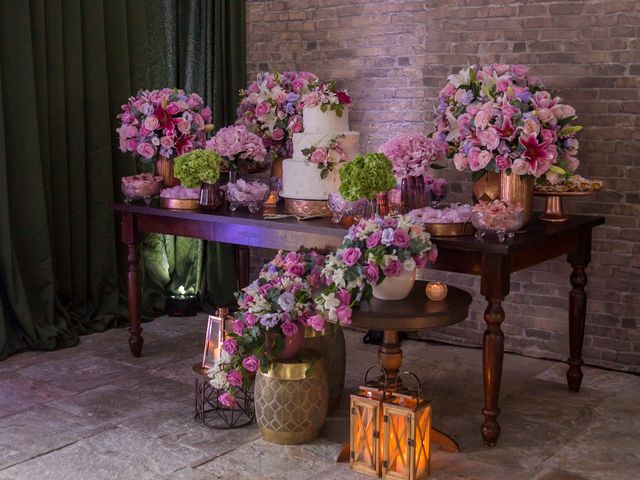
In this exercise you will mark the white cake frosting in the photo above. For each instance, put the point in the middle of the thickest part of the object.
(301, 178)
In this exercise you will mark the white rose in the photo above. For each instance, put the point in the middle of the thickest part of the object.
(409, 265)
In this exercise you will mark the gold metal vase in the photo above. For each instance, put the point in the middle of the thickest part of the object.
(518, 189)
(164, 168)
(290, 401)
(330, 343)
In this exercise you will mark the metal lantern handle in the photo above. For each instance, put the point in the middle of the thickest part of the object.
(384, 374)
(418, 392)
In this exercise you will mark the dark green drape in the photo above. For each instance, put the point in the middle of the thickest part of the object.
(65, 68)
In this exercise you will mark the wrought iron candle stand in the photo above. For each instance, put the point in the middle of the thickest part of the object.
(210, 412)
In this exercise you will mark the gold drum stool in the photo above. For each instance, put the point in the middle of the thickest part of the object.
(291, 406)
(330, 343)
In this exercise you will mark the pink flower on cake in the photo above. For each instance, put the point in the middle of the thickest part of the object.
(278, 134)
(318, 156)
(311, 99)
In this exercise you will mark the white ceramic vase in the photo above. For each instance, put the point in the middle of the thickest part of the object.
(395, 288)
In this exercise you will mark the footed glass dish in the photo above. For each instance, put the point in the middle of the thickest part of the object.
(504, 225)
(251, 195)
(341, 208)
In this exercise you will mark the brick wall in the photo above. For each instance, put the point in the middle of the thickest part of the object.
(394, 56)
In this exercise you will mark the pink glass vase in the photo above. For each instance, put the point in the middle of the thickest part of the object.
(292, 344)
(415, 193)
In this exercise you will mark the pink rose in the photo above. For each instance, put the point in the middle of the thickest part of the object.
(318, 156)
(489, 138)
(297, 85)
(132, 145)
(227, 400)
(478, 159)
(351, 255)
(250, 319)
(503, 162)
(311, 99)
(562, 111)
(167, 141)
(344, 314)
(400, 238)
(317, 322)
(238, 327)
(484, 116)
(572, 163)
(230, 346)
(371, 273)
(531, 127)
(234, 377)
(262, 108)
(280, 97)
(393, 269)
(253, 88)
(293, 257)
(296, 269)
(373, 240)
(184, 126)
(271, 82)
(519, 70)
(277, 134)
(296, 125)
(546, 116)
(146, 150)
(461, 161)
(344, 296)
(128, 131)
(520, 167)
(151, 123)
(421, 261)
(206, 114)
(172, 109)
(289, 329)
(432, 255)
(250, 363)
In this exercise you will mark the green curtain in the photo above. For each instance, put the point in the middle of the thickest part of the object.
(65, 68)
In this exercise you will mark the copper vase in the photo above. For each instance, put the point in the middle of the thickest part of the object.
(164, 168)
(487, 188)
(518, 189)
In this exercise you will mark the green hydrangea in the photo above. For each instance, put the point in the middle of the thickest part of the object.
(365, 176)
(197, 167)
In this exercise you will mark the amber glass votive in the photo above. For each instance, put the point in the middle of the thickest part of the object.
(436, 291)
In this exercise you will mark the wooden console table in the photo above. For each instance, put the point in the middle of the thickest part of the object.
(492, 261)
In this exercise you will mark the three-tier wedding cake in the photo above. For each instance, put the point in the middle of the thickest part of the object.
(318, 154)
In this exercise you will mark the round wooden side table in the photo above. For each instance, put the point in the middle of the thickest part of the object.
(414, 313)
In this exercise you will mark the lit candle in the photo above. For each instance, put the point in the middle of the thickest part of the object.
(436, 291)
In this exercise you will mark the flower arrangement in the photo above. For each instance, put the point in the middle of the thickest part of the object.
(237, 144)
(365, 176)
(167, 122)
(197, 167)
(498, 118)
(326, 157)
(372, 250)
(269, 109)
(327, 96)
(413, 154)
(274, 306)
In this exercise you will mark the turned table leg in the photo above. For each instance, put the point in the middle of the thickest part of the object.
(390, 355)
(577, 311)
(492, 356)
(494, 285)
(129, 237)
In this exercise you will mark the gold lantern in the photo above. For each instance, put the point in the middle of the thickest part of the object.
(406, 432)
(365, 420)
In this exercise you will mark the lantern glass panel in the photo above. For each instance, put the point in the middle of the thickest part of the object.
(365, 424)
(423, 441)
(398, 431)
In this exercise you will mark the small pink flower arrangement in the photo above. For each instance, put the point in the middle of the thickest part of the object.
(167, 122)
(275, 306)
(268, 108)
(413, 154)
(326, 158)
(372, 250)
(327, 96)
(498, 118)
(236, 144)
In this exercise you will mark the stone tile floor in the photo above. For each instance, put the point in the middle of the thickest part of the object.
(95, 412)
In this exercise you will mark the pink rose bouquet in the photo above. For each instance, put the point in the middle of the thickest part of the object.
(237, 144)
(371, 250)
(498, 118)
(326, 158)
(413, 154)
(167, 122)
(327, 96)
(277, 305)
(268, 108)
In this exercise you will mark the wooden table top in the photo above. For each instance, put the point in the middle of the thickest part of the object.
(414, 313)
